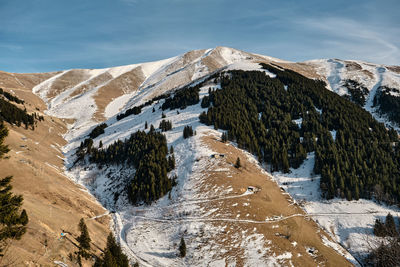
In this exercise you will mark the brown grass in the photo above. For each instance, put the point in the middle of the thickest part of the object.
(53, 202)
(268, 202)
(24, 81)
(352, 66)
(126, 83)
(394, 68)
(96, 81)
(67, 80)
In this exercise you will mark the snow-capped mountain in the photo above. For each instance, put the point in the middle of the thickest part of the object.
(105, 92)
(366, 79)
(214, 205)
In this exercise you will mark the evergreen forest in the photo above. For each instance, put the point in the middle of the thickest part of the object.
(147, 153)
(14, 115)
(388, 102)
(11, 97)
(282, 119)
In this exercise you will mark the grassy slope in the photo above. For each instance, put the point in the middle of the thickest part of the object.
(268, 202)
(52, 201)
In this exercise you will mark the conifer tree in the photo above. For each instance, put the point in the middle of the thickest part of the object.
(182, 248)
(224, 137)
(3, 134)
(238, 164)
(379, 228)
(12, 222)
(83, 238)
(187, 132)
(112, 256)
(285, 161)
(390, 225)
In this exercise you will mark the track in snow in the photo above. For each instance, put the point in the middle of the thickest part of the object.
(372, 93)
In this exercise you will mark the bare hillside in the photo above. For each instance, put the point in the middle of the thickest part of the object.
(54, 203)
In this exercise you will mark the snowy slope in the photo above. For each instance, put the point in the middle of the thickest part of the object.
(74, 94)
(350, 223)
(150, 234)
(372, 76)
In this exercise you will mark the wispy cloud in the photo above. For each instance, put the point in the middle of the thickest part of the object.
(67, 34)
(11, 47)
(359, 39)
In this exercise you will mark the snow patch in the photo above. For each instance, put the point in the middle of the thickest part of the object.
(249, 66)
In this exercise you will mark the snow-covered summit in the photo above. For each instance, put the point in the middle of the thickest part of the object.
(102, 93)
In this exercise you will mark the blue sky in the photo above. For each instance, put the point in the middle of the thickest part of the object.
(48, 35)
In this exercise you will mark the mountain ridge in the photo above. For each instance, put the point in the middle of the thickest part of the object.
(87, 97)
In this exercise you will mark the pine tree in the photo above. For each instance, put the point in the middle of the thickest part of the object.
(24, 218)
(84, 238)
(224, 137)
(285, 161)
(12, 222)
(238, 164)
(145, 125)
(379, 228)
(171, 163)
(3, 134)
(182, 248)
(187, 132)
(390, 225)
(112, 256)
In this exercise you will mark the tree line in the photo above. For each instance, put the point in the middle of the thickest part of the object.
(14, 115)
(11, 97)
(182, 98)
(138, 109)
